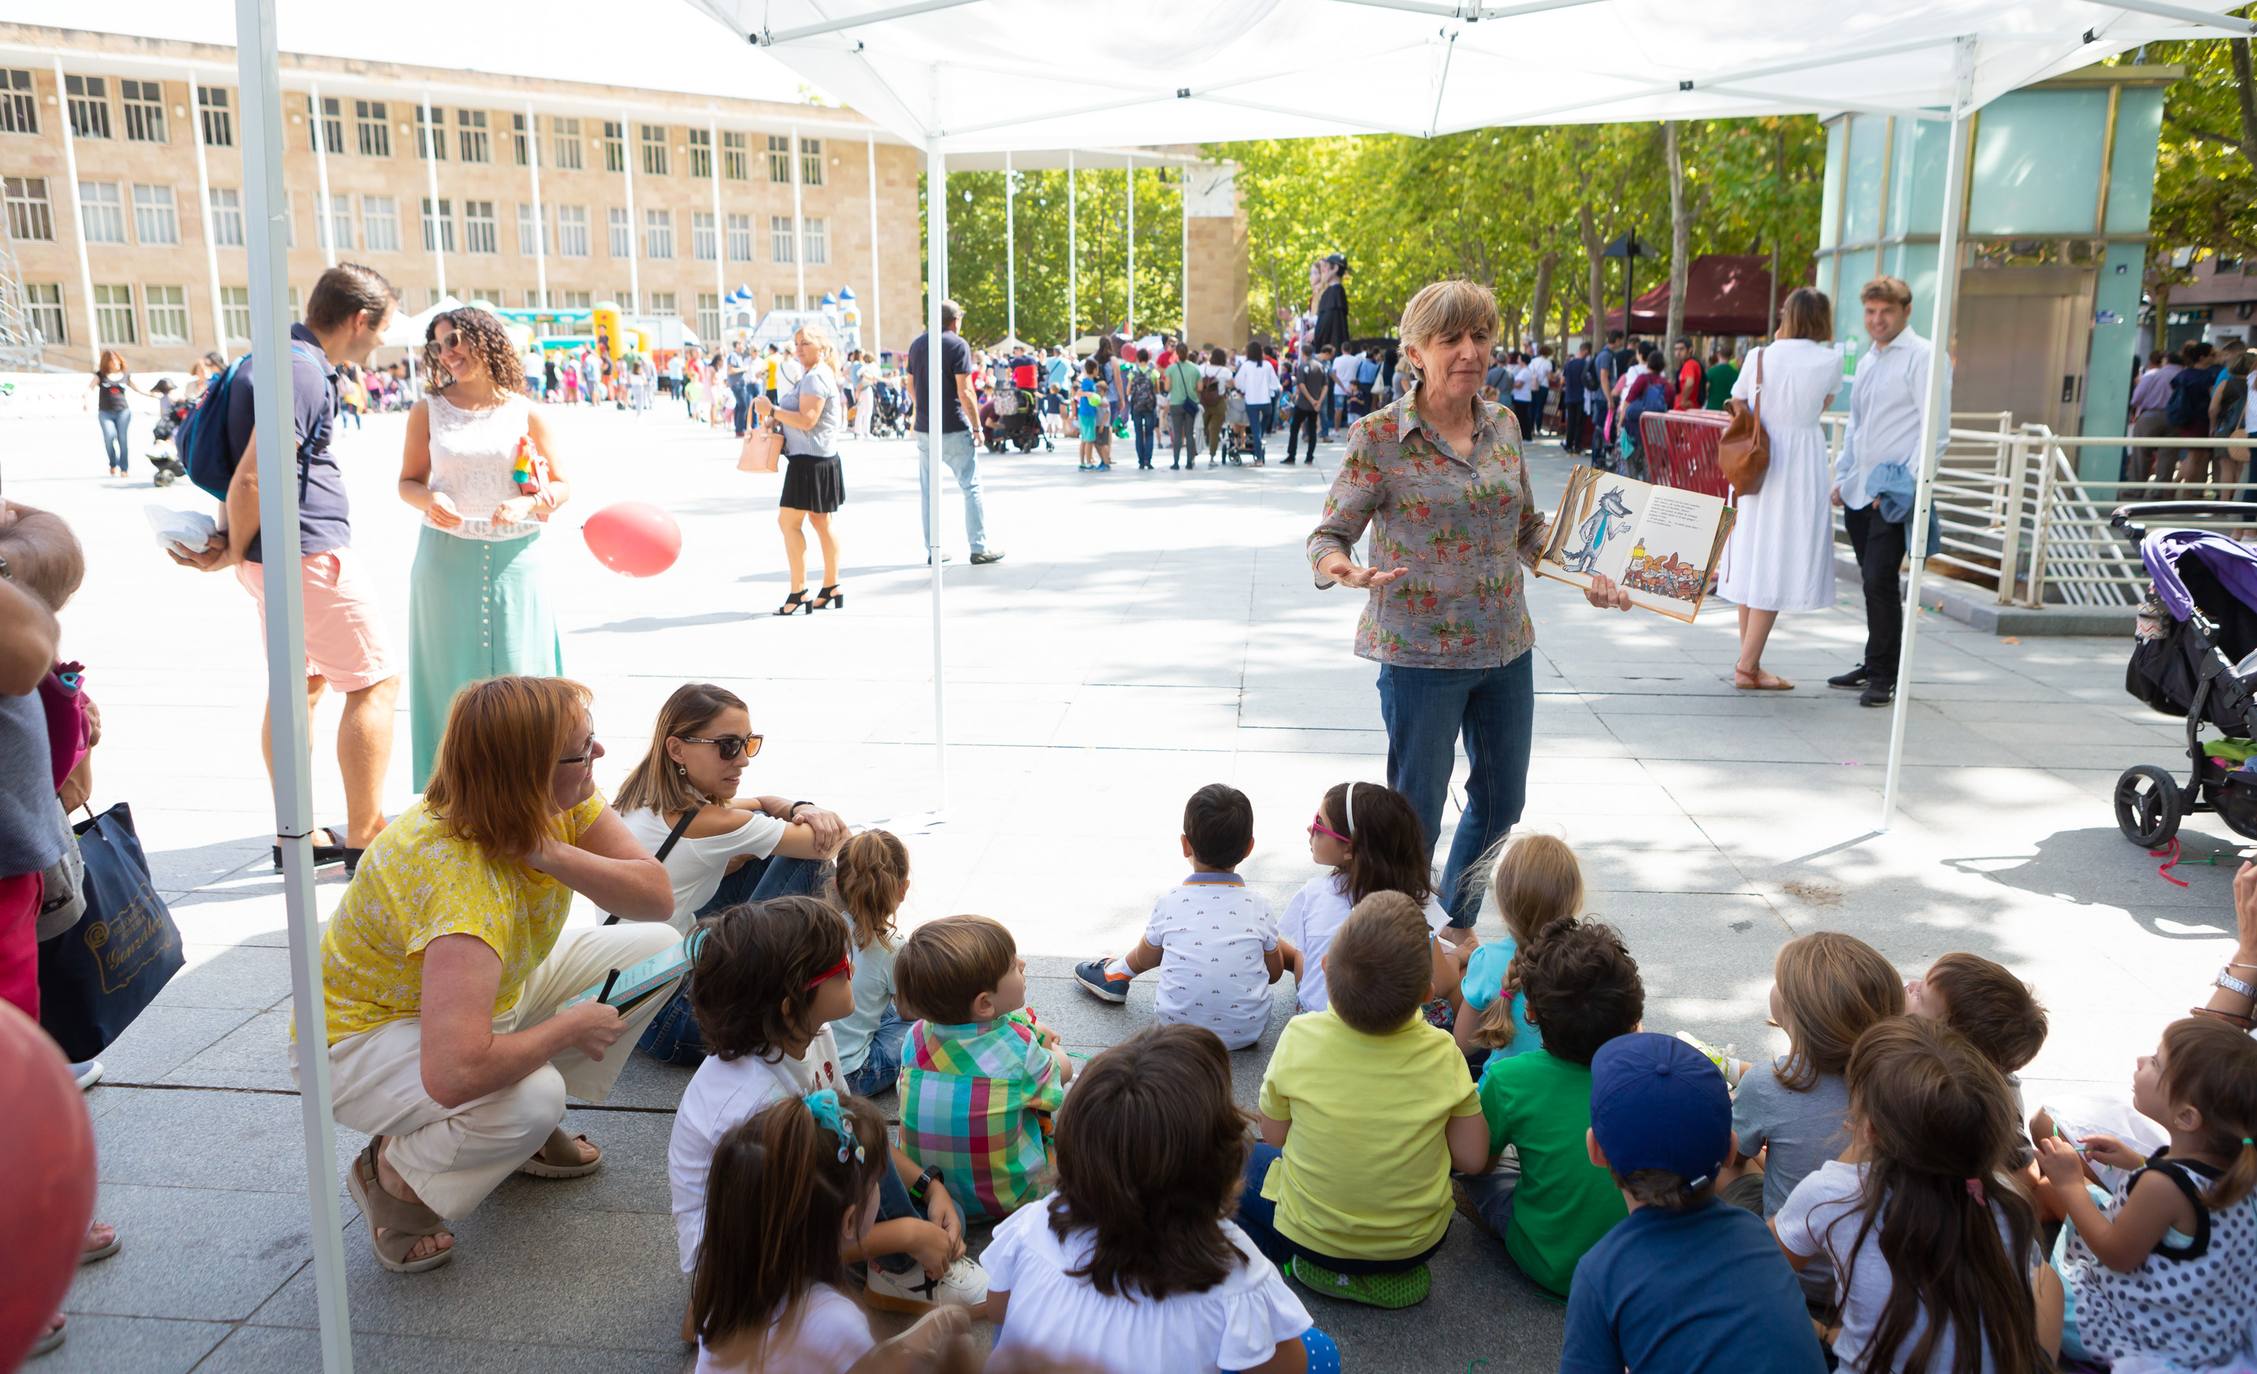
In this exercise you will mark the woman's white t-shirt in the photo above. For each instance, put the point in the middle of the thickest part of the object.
(1256, 382)
(696, 867)
(722, 1093)
(1313, 917)
(1237, 1324)
(832, 1333)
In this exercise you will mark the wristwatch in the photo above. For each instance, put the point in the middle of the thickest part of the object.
(7, 574)
(2227, 982)
(925, 1182)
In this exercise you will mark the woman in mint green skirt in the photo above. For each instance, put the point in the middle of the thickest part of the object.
(481, 467)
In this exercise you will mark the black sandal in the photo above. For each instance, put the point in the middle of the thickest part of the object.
(324, 854)
(828, 598)
(797, 602)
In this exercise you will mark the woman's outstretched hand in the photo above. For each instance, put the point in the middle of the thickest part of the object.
(1353, 576)
(1605, 593)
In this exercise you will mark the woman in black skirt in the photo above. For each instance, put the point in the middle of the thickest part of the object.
(813, 415)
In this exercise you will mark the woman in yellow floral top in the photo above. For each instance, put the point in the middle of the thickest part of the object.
(445, 976)
(1437, 478)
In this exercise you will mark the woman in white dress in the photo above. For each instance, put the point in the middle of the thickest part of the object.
(1780, 556)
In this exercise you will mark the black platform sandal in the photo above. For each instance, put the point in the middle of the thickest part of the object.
(798, 602)
(829, 598)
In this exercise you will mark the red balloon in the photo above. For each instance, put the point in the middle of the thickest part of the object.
(634, 538)
(47, 1156)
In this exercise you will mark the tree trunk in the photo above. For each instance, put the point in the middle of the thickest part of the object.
(1593, 246)
(1567, 306)
(1680, 237)
(1540, 302)
(1512, 327)
(2160, 294)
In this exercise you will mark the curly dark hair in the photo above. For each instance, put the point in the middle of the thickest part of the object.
(750, 984)
(485, 339)
(1583, 988)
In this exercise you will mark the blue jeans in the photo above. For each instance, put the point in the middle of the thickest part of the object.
(1258, 424)
(963, 459)
(1425, 711)
(1147, 425)
(1492, 1197)
(882, 1069)
(672, 1037)
(114, 424)
(1257, 1217)
(740, 389)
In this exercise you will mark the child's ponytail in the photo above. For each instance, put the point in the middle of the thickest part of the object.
(1538, 884)
(872, 866)
(2212, 1067)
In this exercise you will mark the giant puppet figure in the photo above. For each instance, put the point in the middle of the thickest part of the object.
(1328, 295)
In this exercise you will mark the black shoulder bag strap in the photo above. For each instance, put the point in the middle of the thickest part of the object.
(666, 846)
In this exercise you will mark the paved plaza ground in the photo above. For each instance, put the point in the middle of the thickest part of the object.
(1149, 632)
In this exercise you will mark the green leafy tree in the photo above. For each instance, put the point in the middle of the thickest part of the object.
(2205, 162)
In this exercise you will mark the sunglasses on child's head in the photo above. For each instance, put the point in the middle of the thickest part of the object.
(728, 746)
(1318, 827)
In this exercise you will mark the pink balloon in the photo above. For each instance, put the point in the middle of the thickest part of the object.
(634, 538)
(47, 1156)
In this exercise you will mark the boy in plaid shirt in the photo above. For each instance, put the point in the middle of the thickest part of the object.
(979, 1074)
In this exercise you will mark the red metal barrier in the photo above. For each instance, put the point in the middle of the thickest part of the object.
(1681, 449)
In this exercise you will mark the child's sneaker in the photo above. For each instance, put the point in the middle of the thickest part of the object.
(964, 1284)
(1097, 978)
(1727, 1060)
(1405, 1288)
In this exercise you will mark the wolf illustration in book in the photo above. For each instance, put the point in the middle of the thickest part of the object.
(1591, 536)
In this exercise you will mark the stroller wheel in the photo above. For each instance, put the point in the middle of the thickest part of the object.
(2149, 805)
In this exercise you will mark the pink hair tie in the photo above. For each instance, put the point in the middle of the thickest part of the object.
(1975, 1191)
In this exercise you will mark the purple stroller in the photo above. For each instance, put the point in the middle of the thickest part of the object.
(2198, 623)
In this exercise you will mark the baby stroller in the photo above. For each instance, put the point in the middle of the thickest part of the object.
(171, 410)
(2193, 658)
(1018, 420)
(886, 419)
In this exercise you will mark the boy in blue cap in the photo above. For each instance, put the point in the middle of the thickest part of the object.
(1684, 1282)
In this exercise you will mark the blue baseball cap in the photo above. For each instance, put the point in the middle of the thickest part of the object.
(1658, 1103)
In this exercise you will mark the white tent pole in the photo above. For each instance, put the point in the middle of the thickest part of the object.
(1933, 421)
(1073, 255)
(1010, 251)
(259, 76)
(2224, 24)
(634, 230)
(720, 236)
(1129, 327)
(799, 228)
(322, 220)
(936, 380)
(540, 217)
(78, 222)
(433, 143)
(769, 40)
(204, 195)
(873, 339)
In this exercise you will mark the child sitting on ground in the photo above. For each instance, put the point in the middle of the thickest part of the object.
(979, 1075)
(1364, 1111)
(766, 982)
(1134, 1258)
(1553, 1205)
(1538, 884)
(2166, 1269)
(1934, 1126)
(792, 1189)
(1985, 1002)
(1369, 839)
(1212, 938)
(1686, 1282)
(871, 883)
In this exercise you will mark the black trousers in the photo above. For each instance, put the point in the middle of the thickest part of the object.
(1880, 548)
(1303, 420)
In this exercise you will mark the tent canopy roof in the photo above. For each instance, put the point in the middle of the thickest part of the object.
(979, 75)
(1724, 294)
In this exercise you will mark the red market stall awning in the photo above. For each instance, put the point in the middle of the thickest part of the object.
(1724, 294)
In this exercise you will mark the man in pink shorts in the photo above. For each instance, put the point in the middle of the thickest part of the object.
(345, 321)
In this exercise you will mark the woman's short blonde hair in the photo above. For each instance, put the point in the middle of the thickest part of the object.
(818, 332)
(1448, 310)
(491, 783)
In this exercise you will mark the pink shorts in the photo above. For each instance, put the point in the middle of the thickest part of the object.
(344, 627)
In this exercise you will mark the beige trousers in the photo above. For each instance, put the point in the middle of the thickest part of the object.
(454, 1156)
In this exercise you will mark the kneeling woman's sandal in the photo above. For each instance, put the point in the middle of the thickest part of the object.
(402, 1223)
(560, 1145)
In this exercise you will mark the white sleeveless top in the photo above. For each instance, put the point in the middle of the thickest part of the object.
(472, 452)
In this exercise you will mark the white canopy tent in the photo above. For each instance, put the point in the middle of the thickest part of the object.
(960, 76)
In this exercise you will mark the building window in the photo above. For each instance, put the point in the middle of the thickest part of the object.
(574, 300)
(662, 304)
(525, 231)
(572, 230)
(113, 315)
(227, 217)
(372, 121)
(431, 133)
(155, 220)
(701, 153)
(341, 223)
(470, 131)
(736, 163)
(658, 234)
(564, 136)
(31, 217)
(219, 120)
(785, 300)
(816, 235)
(708, 316)
(168, 313)
(654, 150)
(702, 243)
(625, 300)
(89, 99)
(102, 211)
(780, 238)
(480, 232)
(326, 129)
(740, 238)
(235, 314)
(144, 103)
(622, 232)
(19, 104)
(439, 229)
(779, 158)
(519, 144)
(811, 162)
(614, 146)
(43, 300)
(379, 224)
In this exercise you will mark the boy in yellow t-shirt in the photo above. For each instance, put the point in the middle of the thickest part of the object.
(1364, 1111)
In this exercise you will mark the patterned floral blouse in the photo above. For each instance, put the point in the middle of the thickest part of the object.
(1463, 526)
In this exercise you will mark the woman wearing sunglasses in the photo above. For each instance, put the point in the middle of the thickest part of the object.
(478, 604)
(719, 849)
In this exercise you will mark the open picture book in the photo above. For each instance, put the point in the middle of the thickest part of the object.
(628, 988)
(1659, 543)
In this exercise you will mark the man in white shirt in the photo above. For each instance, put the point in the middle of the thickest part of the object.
(1540, 373)
(1884, 427)
(1344, 384)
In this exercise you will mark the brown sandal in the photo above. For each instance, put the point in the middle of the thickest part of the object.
(559, 1146)
(394, 1224)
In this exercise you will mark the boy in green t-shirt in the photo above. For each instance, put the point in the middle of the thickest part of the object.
(1583, 990)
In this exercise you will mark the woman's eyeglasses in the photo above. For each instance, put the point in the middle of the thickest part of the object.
(587, 752)
(728, 746)
(1318, 827)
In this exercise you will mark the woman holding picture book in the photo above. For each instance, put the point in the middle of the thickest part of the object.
(455, 1023)
(1437, 479)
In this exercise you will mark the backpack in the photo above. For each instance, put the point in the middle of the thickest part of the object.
(1209, 391)
(202, 441)
(2190, 399)
(1141, 399)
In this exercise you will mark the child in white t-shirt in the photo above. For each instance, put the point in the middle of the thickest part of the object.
(1371, 841)
(1133, 1263)
(1212, 937)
